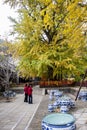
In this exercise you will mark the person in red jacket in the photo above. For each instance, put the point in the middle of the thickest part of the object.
(30, 98)
(26, 93)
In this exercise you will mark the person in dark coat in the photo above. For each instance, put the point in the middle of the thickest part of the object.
(26, 93)
(30, 98)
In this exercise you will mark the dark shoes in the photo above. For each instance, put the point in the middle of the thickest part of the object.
(30, 103)
(25, 101)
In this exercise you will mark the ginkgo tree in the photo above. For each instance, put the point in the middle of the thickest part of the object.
(50, 39)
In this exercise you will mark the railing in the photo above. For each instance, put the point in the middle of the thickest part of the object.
(55, 83)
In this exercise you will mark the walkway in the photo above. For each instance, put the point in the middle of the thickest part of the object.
(79, 112)
(16, 114)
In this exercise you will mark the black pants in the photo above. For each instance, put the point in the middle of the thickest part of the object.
(30, 99)
(26, 97)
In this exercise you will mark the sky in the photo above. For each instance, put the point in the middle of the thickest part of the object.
(5, 23)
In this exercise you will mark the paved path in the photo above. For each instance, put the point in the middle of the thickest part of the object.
(16, 114)
(79, 112)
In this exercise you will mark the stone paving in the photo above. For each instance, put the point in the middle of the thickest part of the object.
(80, 113)
(18, 115)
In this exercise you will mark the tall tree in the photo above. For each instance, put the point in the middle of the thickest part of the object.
(50, 37)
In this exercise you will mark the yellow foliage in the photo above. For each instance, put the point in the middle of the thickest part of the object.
(50, 37)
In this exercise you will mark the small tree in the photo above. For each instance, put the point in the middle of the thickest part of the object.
(7, 66)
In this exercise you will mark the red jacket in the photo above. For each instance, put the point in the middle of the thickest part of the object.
(30, 90)
(26, 89)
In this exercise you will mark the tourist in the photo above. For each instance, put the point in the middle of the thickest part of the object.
(30, 98)
(26, 93)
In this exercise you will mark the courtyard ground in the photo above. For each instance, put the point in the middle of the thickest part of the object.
(18, 115)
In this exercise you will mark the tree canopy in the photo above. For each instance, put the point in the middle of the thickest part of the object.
(50, 39)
